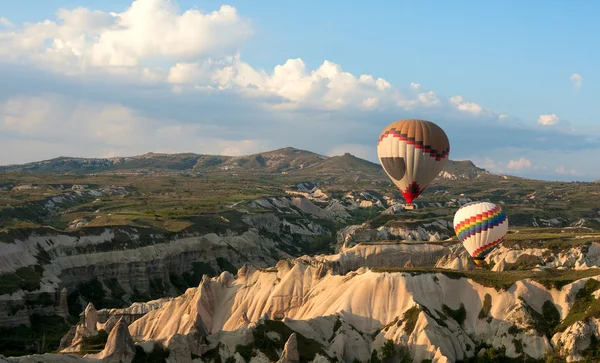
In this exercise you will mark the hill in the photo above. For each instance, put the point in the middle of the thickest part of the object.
(281, 161)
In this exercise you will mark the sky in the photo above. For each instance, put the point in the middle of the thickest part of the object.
(512, 83)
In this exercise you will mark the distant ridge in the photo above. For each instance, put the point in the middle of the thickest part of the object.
(286, 160)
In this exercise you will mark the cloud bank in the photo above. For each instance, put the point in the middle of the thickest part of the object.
(155, 77)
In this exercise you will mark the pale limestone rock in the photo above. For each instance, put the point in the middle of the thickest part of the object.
(179, 349)
(290, 351)
(119, 346)
(457, 259)
(67, 340)
(577, 338)
(90, 317)
(110, 323)
(385, 254)
(499, 266)
(81, 332)
(365, 299)
(63, 305)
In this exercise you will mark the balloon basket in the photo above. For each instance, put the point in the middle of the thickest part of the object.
(409, 207)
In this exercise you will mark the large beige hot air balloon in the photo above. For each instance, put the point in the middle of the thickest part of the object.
(413, 153)
(481, 227)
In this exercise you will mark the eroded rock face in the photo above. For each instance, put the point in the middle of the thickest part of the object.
(138, 257)
(577, 338)
(119, 346)
(290, 351)
(368, 301)
(90, 317)
(390, 254)
(437, 230)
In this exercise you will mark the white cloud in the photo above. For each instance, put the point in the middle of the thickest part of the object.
(576, 79)
(199, 50)
(462, 105)
(95, 129)
(520, 164)
(5, 22)
(561, 170)
(154, 78)
(548, 120)
(149, 29)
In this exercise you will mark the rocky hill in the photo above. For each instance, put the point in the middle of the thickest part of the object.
(286, 160)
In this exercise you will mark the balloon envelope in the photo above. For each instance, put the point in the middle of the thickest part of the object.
(413, 153)
(480, 226)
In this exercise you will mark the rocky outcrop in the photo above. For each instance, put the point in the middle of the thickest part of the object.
(367, 301)
(457, 259)
(580, 257)
(386, 254)
(133, 260)
(290, 351)
(119, 346)
(90, 317)
(577, 338)
(435, 230)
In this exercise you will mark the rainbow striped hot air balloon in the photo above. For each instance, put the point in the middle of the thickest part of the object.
(480, 226)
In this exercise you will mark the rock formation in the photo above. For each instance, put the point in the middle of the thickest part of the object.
(63, 305)
(119, 346)
(290, 351)
(90, 318)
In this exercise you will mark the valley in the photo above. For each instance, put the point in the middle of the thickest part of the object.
(288, 254)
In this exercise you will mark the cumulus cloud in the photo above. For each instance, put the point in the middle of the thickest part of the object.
(548, 120)
(84, 128)
(522, 163)
(517, 166)
(576, 80)
(157, 78)
(462, 105)
(5, 22)
(562, 170)
(148, 29)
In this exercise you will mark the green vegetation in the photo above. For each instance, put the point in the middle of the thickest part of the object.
(308, 348)
(193, 278)
(158, 355)
(225, 265)
(410, 317)
(43, 335)
(546, 322)
(25, 278)
(523, 262)
(584, 306)
(505, 279)
(93, 291)
(95, 343)
(458, 315)
(486, 308)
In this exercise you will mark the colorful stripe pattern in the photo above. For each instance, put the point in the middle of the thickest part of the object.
(418, 144)
(480, 226)
(413, 152)
(480, 253)
(480, 222)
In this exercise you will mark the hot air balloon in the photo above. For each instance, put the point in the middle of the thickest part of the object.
(412, 153)
(480, 226)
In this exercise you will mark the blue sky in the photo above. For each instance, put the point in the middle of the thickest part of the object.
(512, 59)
